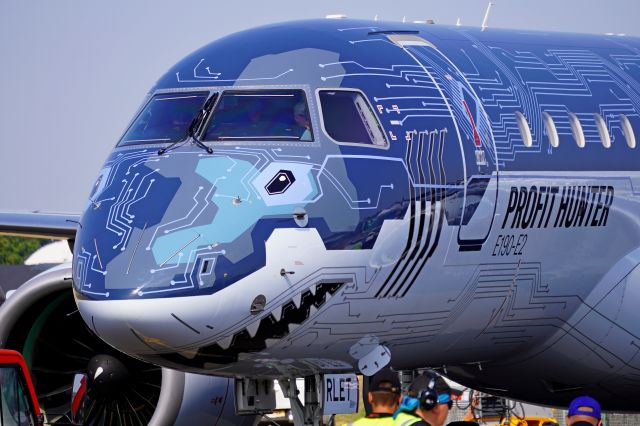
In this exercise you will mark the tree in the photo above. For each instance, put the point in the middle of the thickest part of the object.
(14, 250)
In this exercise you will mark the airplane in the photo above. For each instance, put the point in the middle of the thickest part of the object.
(332, 196)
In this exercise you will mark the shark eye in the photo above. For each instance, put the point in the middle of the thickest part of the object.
(280, 182)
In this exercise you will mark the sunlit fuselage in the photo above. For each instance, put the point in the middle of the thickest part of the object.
(371, 186)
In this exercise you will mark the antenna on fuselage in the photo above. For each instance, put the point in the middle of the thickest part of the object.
(485, 21)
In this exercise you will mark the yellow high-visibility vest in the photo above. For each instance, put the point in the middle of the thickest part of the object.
(406, 419)
(373, 421)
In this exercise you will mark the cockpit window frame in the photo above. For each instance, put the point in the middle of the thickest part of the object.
(387, 144)
(312, 109)
(249, 141)
(145, 103)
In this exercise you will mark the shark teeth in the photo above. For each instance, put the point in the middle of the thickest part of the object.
(252, 329)
(312, 310)
(277, 313)
(226, 342)
(287, 318)
(297, 300)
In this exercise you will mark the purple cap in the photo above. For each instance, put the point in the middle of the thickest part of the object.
(584, 406)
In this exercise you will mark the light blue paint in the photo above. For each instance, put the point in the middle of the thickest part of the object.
(314, 186)
(228, 177)
(304, 187)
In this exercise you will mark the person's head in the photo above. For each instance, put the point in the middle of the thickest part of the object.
(584, 410)
(300, 115)
(384, 391)
(434, 395)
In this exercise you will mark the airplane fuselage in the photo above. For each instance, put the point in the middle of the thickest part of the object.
(451, 197)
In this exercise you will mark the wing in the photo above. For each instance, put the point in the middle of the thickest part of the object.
(60, 226)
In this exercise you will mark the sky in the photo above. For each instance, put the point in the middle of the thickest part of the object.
(73, 72)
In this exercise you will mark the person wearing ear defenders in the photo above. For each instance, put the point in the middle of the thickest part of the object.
(428, 402)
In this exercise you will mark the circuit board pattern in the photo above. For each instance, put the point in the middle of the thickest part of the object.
(393, 244)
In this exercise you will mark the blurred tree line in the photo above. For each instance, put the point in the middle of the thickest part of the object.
(14, 250)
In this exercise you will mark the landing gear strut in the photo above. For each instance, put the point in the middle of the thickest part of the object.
(309, 414)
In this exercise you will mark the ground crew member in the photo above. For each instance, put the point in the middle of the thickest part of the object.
(428, 402)
(384, 396)
(584, 411)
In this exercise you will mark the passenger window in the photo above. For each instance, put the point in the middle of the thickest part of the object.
(166, 118)
(576, 129)
(602, 130)
(627, 129)
(550, 127)
(524, 129)
(265, 115)
(348, 118)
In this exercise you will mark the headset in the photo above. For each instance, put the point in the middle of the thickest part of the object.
(426, 399)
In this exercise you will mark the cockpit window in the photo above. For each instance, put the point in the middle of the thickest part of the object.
(348, 118)
(265, 115)
(166, 118)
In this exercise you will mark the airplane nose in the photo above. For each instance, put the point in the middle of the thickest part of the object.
(172, 253)
(149, 326)
(142, 231)
(208, 332)
(184, 223)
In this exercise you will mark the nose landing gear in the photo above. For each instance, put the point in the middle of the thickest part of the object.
(324, 396)
(309, 413)
(257, 396)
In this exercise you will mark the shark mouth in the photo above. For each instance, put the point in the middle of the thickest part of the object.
(260, 335)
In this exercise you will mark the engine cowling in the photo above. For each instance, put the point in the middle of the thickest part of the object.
(41, 320)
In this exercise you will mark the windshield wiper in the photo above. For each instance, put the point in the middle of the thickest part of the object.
(167, 148)
(196, 125)
(199, 143)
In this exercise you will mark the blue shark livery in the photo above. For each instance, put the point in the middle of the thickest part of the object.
(292, 198)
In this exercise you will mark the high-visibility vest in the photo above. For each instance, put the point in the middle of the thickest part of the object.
(406, 419)
(373, 421)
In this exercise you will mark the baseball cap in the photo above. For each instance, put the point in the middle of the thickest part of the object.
(584, 406)
(385, 380)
